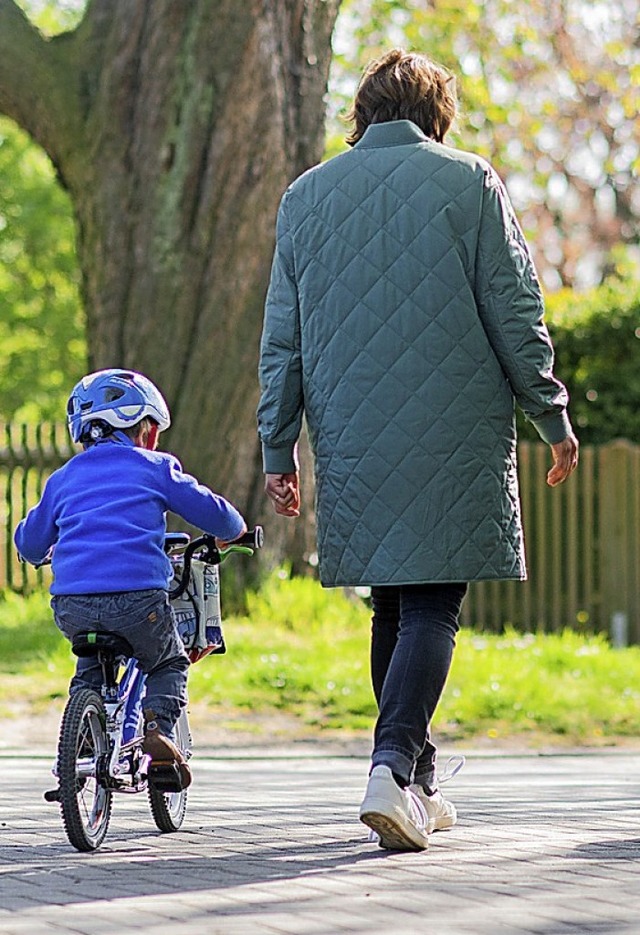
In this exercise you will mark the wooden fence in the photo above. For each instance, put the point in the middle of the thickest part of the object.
(583, 549)
(582, 538)
(28, 454)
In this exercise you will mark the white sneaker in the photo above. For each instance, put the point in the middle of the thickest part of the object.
(440, 812)
(396, 815)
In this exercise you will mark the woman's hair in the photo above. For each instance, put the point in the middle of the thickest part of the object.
(404, 86)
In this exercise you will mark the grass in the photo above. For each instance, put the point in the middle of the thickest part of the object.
(304, 650)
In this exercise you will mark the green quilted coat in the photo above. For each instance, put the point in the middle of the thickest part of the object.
(404, 320)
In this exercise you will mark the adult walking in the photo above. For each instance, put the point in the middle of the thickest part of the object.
(404, 319)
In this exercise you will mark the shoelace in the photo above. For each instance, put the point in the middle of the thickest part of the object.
(452, 767)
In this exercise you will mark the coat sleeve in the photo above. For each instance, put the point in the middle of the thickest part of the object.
(281, 402)
(511, 308)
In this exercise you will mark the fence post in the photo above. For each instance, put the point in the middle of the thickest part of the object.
(615, 530)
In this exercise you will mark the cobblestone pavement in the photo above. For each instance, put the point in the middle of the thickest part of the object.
(544, 845)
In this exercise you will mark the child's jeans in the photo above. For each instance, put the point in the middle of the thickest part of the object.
(145, 619)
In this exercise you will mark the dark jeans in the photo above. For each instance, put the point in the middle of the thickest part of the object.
(145, 619)
(412, 641)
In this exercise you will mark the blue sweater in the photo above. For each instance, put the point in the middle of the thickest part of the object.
(105, 513)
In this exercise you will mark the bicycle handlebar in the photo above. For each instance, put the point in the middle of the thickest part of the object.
(252, 539)
(247, 543)
(210, 553)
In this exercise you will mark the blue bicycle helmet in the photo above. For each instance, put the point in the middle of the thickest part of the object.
(113, 399)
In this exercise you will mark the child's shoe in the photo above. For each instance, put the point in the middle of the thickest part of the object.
(163, 750)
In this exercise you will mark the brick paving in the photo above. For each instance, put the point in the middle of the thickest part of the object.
(545, 845)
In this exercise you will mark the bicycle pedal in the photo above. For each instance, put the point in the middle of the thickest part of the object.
(165, 777)
(52, 795)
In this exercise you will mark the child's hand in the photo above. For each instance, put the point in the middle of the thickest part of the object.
(221, 544)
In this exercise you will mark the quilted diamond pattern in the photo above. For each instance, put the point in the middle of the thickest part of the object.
(404, 316)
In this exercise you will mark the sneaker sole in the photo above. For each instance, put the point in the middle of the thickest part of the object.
(395, 833)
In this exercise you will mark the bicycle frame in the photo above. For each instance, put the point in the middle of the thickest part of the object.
(123, 707)
(124, 719)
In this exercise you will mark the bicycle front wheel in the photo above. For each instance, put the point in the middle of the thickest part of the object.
(84, 802)
(169, 808)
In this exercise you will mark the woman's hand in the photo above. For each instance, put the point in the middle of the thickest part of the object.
(565, 460)
(284, 492)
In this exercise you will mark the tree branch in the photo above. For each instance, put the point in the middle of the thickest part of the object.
(36, 78)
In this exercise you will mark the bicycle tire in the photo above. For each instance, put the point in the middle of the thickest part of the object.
(85, 803)
(169, 808)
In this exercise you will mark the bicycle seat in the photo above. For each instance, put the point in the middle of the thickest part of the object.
(91, 642)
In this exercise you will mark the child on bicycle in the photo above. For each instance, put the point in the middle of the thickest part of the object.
(104, 516)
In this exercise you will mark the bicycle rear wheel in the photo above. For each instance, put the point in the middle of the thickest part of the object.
(169, 808)
(84, 802)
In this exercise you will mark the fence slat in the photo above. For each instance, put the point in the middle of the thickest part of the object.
(526, 489)
(539, 571)
(634, 547)
(588, 585)
(572, 545)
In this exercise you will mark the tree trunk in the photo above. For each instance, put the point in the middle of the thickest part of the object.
(176, 125)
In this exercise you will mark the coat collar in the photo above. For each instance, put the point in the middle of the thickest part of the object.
(392, 133)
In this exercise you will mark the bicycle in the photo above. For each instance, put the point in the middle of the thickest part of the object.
(100, 742)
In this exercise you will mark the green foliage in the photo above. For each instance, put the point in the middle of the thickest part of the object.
(42, 329)
(548, 93)
(53, 16)
(599, 351)
(305, 650)
(42, 341)
(596, 336)
(299, 647)
(35, 659)
(28, 637)
(567, 684)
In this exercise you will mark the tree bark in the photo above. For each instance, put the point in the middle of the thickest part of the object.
(176, 125)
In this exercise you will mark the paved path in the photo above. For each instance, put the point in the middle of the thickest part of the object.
(544, 845)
